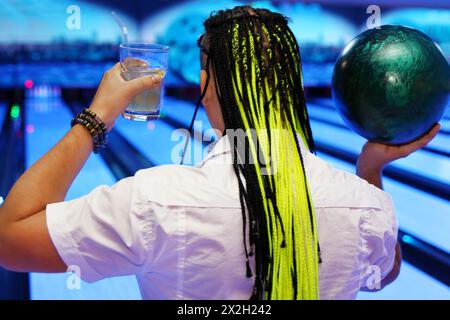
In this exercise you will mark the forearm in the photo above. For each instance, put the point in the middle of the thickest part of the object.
(370, 173)
(48, 180)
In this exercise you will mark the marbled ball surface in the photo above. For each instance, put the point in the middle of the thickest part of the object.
(391, 84)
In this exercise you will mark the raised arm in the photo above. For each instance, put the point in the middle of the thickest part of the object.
(25, 243)
(371, 162)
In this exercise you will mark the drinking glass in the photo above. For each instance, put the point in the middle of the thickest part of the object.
(139, 59)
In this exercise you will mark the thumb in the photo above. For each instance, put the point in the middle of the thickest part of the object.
(138, 85)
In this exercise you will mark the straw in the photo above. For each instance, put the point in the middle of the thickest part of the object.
(122, 27)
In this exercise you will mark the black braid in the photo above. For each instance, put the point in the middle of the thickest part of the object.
(219, 32)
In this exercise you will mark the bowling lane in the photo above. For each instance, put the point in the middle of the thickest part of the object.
(412, 283)
(3, 115)
(441, 142)
(418, 162)
(47, 121)
(183, 111)
(420, 213)
(447, 114)
(445, 121)
(154, 139)
(3, 111)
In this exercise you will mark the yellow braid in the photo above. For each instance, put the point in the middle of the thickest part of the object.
(288, 181)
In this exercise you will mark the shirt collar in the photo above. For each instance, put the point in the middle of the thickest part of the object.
(219, 147)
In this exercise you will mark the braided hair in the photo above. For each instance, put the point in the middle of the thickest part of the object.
(255, 61)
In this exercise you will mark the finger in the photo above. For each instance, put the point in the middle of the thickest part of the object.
(115, 68)
(143, 83)
(430, 135)
(422, 142)
(113, 71)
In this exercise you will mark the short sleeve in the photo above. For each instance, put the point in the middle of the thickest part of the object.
(102, 233)
(378, 227)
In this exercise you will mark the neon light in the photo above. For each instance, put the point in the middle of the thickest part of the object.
(29, 84)
(407, 239)
(15, 111)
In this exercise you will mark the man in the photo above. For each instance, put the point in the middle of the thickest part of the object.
(268, 220)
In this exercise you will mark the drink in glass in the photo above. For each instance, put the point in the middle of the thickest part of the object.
(139, 60)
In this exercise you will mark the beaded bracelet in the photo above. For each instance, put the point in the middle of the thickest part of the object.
(95, 126)
(97, 133)
(98, 125)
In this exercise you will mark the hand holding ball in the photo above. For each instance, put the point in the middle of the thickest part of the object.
(391, 85)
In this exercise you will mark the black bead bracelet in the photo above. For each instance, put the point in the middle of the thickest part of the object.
(96, 127)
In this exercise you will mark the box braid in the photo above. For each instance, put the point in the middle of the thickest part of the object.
(256, 65)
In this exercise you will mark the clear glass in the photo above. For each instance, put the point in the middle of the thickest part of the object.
(140, 59)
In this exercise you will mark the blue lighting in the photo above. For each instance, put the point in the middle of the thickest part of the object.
(45, 21)
(408, 239)
(320, 32)
(434, 22)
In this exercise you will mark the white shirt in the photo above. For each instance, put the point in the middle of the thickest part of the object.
(179, 230)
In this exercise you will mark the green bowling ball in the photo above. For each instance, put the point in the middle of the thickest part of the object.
(391, 84)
